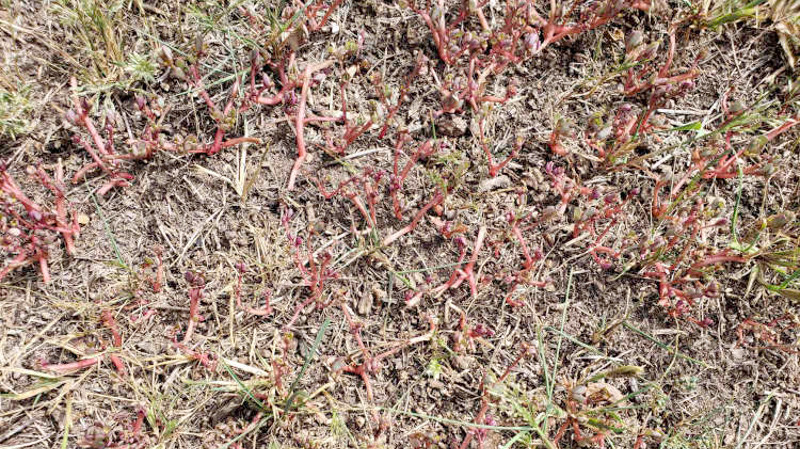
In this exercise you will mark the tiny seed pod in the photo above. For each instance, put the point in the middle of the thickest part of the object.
(166, 55)
(756, 145)
(717, 203)
(112, 118)
(737, 107)
(780, 220)
(577, 214)
(662, 90)
(635, 39)
(178, 73)
(265, 81)
(290, 98)
(436, 13)
(199, 44)
(549, 213)
(650, 51)
(712, 290)
(139, 149)
(604, 133)
(468, 39)
(532, 42)
(579, 394)
(71, 117)
(450, 102)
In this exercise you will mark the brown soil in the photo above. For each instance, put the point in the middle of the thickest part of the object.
(699, 387)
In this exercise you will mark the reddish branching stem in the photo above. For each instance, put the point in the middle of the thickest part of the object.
(486, 389)
(103, 153)
(399, 175)
(316, 271)
(67, 368)
(494, 168)
(196, 286)
(265, 311)
(372, 364)
(224, 119)
(30, 227)
(312, 11)
(419, 65)
(159, 281)
(116, 341)
(300, 120)
(437, 199)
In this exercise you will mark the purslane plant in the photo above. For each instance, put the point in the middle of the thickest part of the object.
(522, 33)
(27, 228)
(315, 269)
(103, 150)
(372, 363)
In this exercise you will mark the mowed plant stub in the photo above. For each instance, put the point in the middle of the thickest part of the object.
(478, 224)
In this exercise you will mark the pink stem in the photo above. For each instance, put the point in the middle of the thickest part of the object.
(66, 368)
(300, 120)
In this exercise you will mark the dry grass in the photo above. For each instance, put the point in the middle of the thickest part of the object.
(319, 324)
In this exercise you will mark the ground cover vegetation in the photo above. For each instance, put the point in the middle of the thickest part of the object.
(411, 223)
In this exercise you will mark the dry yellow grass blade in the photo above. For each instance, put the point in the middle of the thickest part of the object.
(786, 21)
(782, 16)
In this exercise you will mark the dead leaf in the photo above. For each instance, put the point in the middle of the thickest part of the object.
(601, 391)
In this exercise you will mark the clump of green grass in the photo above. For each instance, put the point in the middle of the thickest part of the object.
(140, 67)
(15, 108)
(97, 27)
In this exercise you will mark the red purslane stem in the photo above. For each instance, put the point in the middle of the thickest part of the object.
(196, 286)
(371, 364)
(485, 399)
(437, 199)
(116, 341)
(300, 120)
(67, 368)
(265, 311)
(27, 233)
